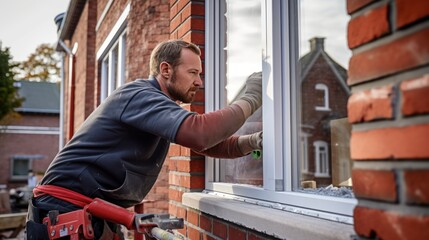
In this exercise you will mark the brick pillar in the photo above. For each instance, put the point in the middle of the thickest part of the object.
(389, 110)
(148, 25)
(186, 167)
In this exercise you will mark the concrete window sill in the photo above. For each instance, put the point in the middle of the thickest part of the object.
(281, 224)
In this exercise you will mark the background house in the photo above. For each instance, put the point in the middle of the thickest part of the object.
(324, 95)
(30, 141)
(108, 43)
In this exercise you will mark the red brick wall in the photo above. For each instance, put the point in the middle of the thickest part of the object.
(203, 226)
(28, 144)
(186, 167)
(84, 68)
(389, 110)
(110, 18)
(148, 25)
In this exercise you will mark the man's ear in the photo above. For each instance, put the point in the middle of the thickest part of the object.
(165, 69)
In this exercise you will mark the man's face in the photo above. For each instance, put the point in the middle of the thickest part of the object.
(185, 78)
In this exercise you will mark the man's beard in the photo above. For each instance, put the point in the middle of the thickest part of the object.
(176, 95)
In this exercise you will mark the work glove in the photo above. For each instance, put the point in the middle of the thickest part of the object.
(248, 143)
(253, 92)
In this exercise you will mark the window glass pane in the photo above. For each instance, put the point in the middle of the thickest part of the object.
(324, 131)
(104, 78)
(243, 55)
(114, 70)
(113, 67)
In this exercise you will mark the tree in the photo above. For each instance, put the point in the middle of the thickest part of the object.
(9, 99)
(42, 65)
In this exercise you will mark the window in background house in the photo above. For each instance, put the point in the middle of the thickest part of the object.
(322, 159)
(20, 166)
(304, 154)
(302, 50)
(322, 95)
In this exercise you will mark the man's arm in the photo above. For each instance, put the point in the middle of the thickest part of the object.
(235, 146)
(203, 131)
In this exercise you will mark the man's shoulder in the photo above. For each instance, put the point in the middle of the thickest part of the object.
(137, 86)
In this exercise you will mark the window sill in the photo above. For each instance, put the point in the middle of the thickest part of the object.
(282, 224)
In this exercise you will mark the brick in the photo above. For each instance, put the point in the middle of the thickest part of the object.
(193, 182)
(370, 105)
(200, 96)
(410, 11)
(191, 24)
(190, 166)
(417, 187)
(193, 10)
(220, 229)
(358, 30)
(193, 233)
(252, 236)
(375, 184)
(181, 4)
(183, 231)
(195, 37)
(354, 5)
(175, 23)
(175, 195)
(173, 11)
(198, 108)
(185, 152)
(398, 55)
(207, 237)
(391, 143)
(236, 233)
(378, 224)
(177, 210)
(206, 223)
(174, 150)
(193, 218)
(415, 96)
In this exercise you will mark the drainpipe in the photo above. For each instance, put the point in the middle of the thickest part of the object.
(71, 84)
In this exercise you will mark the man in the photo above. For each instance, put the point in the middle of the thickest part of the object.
(32, 179)
(118, 152)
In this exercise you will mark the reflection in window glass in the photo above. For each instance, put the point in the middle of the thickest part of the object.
(324, 129)
(243, 57)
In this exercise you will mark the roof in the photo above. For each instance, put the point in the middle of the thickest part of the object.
(69, 20)
(39, 97)
(317, 49)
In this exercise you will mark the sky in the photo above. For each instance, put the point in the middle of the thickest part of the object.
(326, 19)
(25, 24)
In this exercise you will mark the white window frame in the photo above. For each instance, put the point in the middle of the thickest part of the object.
(280, 19)
(304, 153)
(113, 62)
(322, 87)
(322, 158)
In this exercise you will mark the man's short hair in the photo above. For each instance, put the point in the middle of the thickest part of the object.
(169, 51)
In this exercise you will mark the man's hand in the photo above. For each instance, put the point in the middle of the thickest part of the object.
(253, 93)
(248, 143)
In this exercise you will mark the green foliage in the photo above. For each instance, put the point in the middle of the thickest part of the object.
(42, 65)
(9, 99)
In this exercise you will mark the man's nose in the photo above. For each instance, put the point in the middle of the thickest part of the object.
(198, 81)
